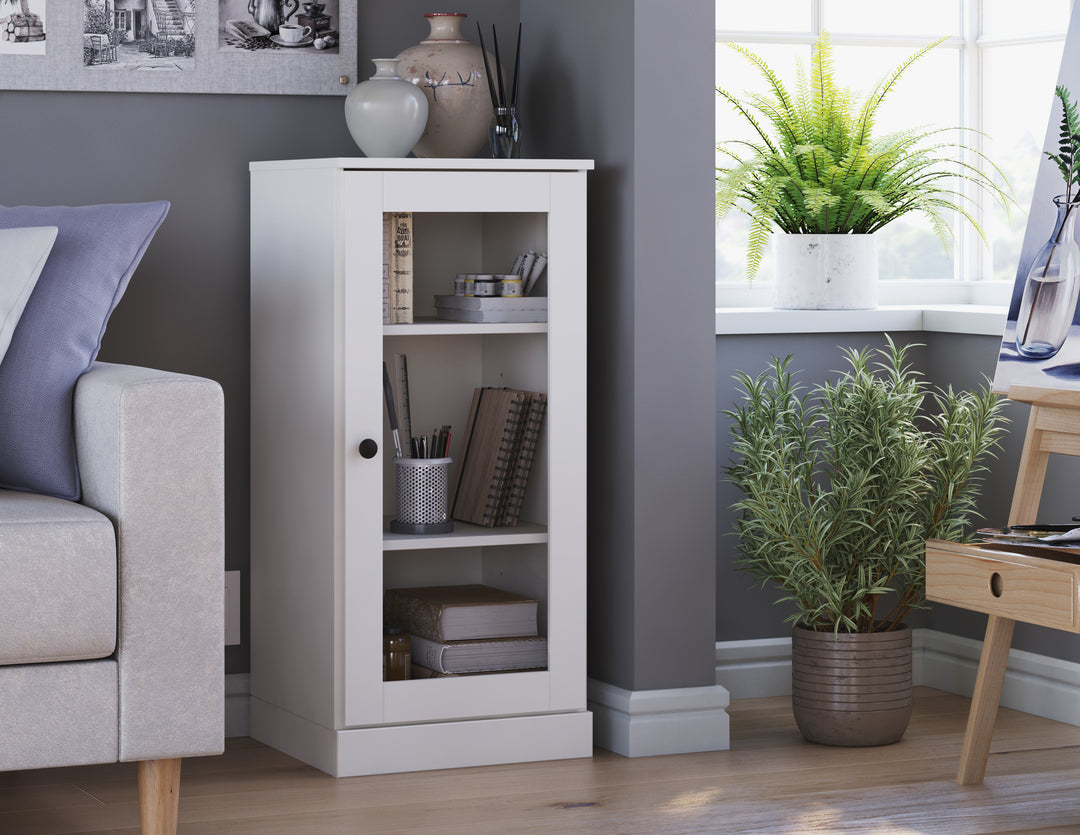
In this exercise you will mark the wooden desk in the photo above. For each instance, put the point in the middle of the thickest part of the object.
(1012, 583)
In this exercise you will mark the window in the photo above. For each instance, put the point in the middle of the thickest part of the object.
(994, 74)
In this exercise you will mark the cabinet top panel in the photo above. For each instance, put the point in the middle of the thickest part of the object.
(477, 164)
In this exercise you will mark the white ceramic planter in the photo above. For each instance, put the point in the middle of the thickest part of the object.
(826, 272)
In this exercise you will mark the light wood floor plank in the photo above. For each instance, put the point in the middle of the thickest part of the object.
(770, 782)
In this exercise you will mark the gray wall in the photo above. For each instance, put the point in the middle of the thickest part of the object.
(187, 306)
(597, 89)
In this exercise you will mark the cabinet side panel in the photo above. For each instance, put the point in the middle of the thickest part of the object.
(566, 440)
(293, 404)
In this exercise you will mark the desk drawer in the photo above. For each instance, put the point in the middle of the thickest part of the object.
(1017, 586)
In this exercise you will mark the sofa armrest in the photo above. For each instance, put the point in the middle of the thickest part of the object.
(150, 447)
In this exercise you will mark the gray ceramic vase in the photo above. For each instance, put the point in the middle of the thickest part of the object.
(851, 689)
(386, 115)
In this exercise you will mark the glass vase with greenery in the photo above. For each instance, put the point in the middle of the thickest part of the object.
(843, 484)
(814, 164)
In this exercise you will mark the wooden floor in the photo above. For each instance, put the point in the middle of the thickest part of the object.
(771, 781)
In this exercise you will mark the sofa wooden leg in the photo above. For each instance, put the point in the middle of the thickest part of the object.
(159, 795)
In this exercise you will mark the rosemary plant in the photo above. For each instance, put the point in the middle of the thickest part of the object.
(843, 485)
(815, 165)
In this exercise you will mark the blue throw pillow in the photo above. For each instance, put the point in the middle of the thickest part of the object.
(58, 336)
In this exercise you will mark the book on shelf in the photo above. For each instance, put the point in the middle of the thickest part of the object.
(418, 672)
(491, 309)
(487, 317)
(386, 227)
(495, 418)
(459, 613)
(536, 269)
(523, 458)
(501, 435)
(482, 656)
(493, 303)
(401, 268)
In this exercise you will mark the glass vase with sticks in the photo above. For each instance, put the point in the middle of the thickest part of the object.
(1052, 285)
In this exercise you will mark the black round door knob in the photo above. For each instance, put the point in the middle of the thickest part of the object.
(368, 448)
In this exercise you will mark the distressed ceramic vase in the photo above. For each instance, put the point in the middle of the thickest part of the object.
(386, 115)
(450, 71)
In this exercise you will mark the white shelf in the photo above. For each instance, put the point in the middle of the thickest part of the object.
(465, 535)
(423, 326)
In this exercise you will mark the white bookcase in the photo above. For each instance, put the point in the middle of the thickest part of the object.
(321, 550)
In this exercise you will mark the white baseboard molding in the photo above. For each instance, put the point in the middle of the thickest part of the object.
(238, 704)
(1035, 684)
(645, 723)
(754, 669)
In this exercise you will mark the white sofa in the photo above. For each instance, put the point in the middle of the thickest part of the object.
(111, 608)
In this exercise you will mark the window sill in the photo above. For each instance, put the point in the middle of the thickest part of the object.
(973, 307)
(984, 320)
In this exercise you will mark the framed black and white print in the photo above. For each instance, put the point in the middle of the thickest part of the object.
(288, 47)
(23, 27)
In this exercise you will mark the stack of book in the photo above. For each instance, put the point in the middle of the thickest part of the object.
(497, 452)
(397, 268)
(456, 630)
(491, 308)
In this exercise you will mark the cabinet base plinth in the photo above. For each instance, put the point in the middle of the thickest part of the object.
(390, 749)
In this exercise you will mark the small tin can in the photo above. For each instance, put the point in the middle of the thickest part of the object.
(470, 285)
(459, 284)
(511, 286)
(486, 285)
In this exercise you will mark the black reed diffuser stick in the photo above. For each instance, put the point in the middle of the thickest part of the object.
(498, 66)
(517, 66)
(487, 69)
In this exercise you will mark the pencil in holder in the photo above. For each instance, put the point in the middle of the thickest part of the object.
(423, 486)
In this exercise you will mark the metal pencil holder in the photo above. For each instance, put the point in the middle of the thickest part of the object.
(422, 491)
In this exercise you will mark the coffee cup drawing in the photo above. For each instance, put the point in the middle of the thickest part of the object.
(292, 33)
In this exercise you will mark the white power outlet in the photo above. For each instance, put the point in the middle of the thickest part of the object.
(232, 608)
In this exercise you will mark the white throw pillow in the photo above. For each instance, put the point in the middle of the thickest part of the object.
(23, 253)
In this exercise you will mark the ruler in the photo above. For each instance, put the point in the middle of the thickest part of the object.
(401, 371)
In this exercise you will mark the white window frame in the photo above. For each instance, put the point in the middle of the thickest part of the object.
(967, 288)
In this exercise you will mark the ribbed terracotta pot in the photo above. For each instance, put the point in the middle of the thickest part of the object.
(851, 690)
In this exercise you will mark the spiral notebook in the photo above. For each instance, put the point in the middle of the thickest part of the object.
(496, 420)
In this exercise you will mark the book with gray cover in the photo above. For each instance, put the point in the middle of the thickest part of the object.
(464, 612)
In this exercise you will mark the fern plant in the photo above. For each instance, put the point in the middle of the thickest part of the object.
(816, 166)
(842, 485)
(1068, 156)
